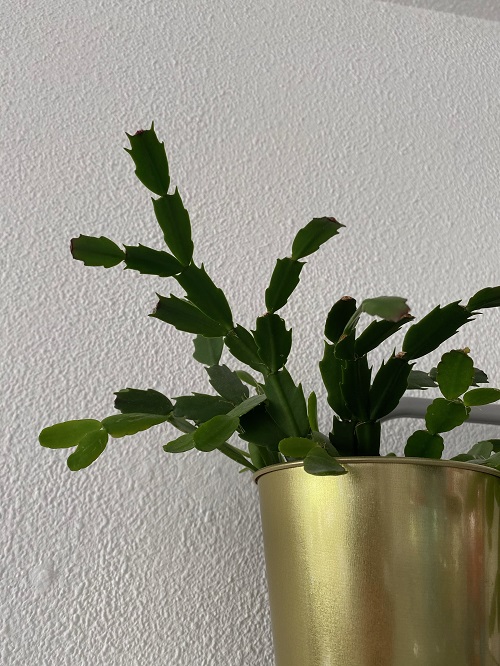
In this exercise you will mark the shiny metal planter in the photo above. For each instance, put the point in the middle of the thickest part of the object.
(394, 564)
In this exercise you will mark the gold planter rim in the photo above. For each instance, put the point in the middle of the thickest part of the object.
(383, 460)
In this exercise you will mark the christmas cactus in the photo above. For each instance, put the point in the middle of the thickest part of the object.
(261, 402)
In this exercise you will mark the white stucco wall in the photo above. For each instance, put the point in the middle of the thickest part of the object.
(383, 116)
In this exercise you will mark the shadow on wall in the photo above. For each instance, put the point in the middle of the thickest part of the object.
(484, 9)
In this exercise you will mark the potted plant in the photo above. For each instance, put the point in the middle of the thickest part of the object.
(370, 559)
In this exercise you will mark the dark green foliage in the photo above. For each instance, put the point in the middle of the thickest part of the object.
(368, 438)
(174, 221)
(455, 373)
(66, 435)
(481, 396)
(151, 165)
(378, 331)
(273, 340)
(88, 450)
(227, 384)
(355, 387)
(151, 262)
(275, 421)
(186, 317)
(313, 235)
(250, 380)
(120, 425)
(418, 379)
(344, 349)
(423, 444)
(443, 415)
(343, 437)
(202, 292)
(340, 313)
(180, 445)
(321, 463)
(286, 404)
(495, 444)
(133, 401)
(296, 447)
(208, 350)
(258, 427)
(261, 456)
(331, 372)
(481, 450)
(242, 346)
(440, 324)
(200, 407)
(480, 377)
(212, 434)
(237, 456)
(247, 405)
(486, 298)
(284, 279)
(312, 411)
(96, 251)
(389, 386)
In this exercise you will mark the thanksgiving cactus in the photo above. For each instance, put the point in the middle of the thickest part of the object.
(262, 403)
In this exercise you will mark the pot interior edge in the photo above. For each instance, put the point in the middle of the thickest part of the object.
(383, 460)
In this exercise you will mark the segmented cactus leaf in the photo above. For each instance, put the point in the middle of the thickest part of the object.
(296, 447)
(389, 385)
(418, 379)
(149, 401)
(227, 384)
(200, 407)
(455, 373)
(88, 450)
(485, 298)
(242, 346)
(68, 434)
(284, 279)
(151, 262)
(186, 317)
(213, 433)
(423, 444)
(321, 463)
(181, 444)
(440, 324)
(331, 372)
(481, 396)
(203, 293)
(376, 332)
(338, 317)
(151, 165)
(286, 403)
(273, 340)
(258, 427)
(95, 251)
(120, 425)
(355, 387)
(313, 235)
(443, 415)
(208, 350)
(174, 221)
(368, 437)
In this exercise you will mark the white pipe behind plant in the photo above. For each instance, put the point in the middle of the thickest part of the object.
(416, 407)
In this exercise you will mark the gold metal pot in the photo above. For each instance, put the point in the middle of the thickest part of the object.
(394, 564)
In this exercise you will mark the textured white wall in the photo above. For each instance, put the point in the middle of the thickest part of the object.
(485, 9)
(272, 113)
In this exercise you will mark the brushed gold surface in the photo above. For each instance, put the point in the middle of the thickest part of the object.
(388, 565)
